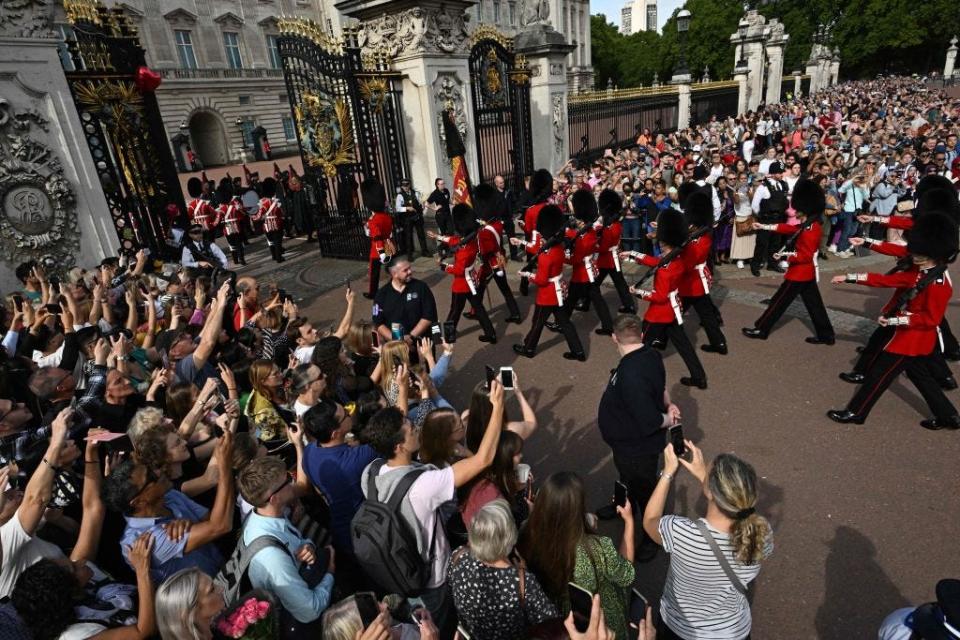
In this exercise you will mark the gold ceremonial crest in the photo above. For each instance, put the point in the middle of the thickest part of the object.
(326, 132)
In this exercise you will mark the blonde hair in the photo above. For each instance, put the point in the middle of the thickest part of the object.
(260, 370)
(256, 480)
(358, 337)
(493, 532)
(142, 421)
(733, 484)
(342, 621)
(392, 355)
(271, 319)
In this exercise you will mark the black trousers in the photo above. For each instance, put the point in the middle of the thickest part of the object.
(504, 287)
(878, 340)
(763, 251)
(639, 473)
(885, 370)
(459, 300)
(590, 292)
(623, 291)
(374, 276)
(509, 231)
(235, 240)
(411, 223)
(540, 316)
(656, 334)
(709, 318)
(275, 241)
(950, 344)
(810, 294)
(444, 222)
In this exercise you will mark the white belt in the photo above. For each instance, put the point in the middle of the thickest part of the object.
(592, 272)
(816, 266)
(675, 303)
(558, 288)
(615, 251)
(702, 270)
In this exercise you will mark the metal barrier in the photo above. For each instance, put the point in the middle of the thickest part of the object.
(710, 99)
(613, 119)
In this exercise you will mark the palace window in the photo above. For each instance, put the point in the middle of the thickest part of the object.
(288, 131)
(231, 44)
(188, 59)
(274, 52)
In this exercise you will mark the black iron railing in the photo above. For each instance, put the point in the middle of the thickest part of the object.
(713, 99)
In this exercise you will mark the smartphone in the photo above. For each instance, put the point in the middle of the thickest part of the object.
(375, 338)
(18, 301)
(346, 283)
(368, 606)
(491, 375)
(506, 378)
(581, 604)
(416, 614)
(449, 332)
(54, 308)
(283, 295)
(619, 494)
(637, 613)
(119, 445)
(676, 439)
(435, 333)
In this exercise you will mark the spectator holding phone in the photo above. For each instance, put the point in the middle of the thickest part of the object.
(478, 415)
(713, 558)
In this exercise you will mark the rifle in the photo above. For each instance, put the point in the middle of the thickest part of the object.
(669, 257)
(531, 265)
(926, 280)
(791, 242)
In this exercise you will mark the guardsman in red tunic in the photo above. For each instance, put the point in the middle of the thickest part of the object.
(199, 210)
(584, 281)
(491, 209)
(663, 319)
(379, 228)
(610, 204)
(541, 188)
(551, 288)
(697, 277)
(270, 214)
(915, 318)
(802, 275)
(231, 217)
(466, 275)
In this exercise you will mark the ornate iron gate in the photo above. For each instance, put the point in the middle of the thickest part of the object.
(500, 87)
(113, 92)
(346, 108)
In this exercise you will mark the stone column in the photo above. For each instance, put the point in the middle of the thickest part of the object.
(835, 66)
(52, 208)
(951, 59)
(811, 69)
(754, 52)
(796, 83)
(683, 105)
(775, 45)
(546, 52)
(741, 75)
(429, 44)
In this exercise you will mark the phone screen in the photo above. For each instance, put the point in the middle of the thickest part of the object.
(18, 301)
(491, 375)
(449, 332)
(676, 438)
(506, 377)
(581, 604)
(368, 607)
(375, 338)
(54, 308)
(638, 607)
(619, 494)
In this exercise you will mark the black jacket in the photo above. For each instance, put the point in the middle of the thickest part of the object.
(631, 409)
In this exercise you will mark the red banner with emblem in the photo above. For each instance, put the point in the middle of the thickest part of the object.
(461, 181)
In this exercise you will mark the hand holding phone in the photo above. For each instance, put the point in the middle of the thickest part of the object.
(449, 332)
(581, 606)
(368, 607)
(506, 378)
(620, 494)
(676, 439)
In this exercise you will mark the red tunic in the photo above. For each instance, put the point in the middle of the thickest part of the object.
(270, 214)
(551, 288)
(380, 229)
(202, 213)
(584, 257)
(231, 216)
(697, 277)
(609, 247)
(916, 331)
(898, 251)
(465, 277)
(664, 298)
(802, 263)
(534, 240)
(488, 239)
(900, 222)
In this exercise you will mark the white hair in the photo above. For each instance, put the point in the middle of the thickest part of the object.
(493, 532)
(176, 603)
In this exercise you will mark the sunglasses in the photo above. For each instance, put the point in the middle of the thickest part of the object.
(286, 481)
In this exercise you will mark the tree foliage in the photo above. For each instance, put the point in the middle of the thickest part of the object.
(874, 36)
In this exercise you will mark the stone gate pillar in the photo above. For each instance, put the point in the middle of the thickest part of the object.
(796, 84)
(741, 75)
(546, 52)
(811, 69)
(951, 59)
(835, 66)
(52, 208)
(430, 46)
(775, 45)
(754, 52)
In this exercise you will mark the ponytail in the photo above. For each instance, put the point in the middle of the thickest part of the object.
(733, 484)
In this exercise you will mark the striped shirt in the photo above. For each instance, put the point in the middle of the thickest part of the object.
(699, 601)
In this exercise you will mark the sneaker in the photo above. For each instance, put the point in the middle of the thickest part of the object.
(845, 254)
(832, 248)
(739, 264)
(784, 264)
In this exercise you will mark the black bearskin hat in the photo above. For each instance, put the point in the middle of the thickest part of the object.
(268, 188)
(699, 210)
(934, 235)
(685, 190)
(940, 200)
(700, 172)
(464, 219)
(808, 198)
(194, 187)
(584, 206)
(550, 221)
(610, 204)
(671, 228)
(928, 183)
(488, 203)
(541, 185)
(373, 194)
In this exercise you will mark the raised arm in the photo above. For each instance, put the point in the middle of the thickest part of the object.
(347, 319)
(211, 328)
(91, 524)
(40, 487)
(467, 469)
(220, 520)
(525, 428)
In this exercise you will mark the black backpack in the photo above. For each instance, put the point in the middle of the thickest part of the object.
(384, 543)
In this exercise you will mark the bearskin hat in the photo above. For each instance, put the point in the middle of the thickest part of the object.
(610, 204)
(194, 187)
(940, 200)
(541, 185)
(700, 172)
(671, 228)
(464, 219)
(488, 203)
(699, 210)
(934, 235)
(928, 183)
(373, 194)
(808, 198)
(550, 221)
(268, 188)
(584, 206)
(684, 191)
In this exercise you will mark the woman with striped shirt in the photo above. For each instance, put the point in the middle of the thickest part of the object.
(712, 559)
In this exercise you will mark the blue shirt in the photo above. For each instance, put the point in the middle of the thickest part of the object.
(276, 571)
(336, 472)
(168, 556)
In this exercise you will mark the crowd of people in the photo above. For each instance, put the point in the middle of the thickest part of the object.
(184, 454)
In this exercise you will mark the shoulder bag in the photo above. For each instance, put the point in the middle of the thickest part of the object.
(722, 559)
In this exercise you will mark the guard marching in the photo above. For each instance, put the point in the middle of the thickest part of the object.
(270, 214)
(697, 277)
(379, 228)
(199, 210)
(491, 209)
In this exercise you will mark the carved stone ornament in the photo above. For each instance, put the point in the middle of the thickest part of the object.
(448, 94)
(556, 68)
(559, 118)
(38, 220)
(416, 30)
(535, 12)
(26, 18)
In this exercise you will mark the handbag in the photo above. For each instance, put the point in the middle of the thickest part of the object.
(722, 559)
(745, 227)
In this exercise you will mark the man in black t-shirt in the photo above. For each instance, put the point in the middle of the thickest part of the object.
(439, 203)
(406, 301)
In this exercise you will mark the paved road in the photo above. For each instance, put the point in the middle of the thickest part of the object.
(865, 516)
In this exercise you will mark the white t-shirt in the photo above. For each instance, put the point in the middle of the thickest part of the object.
(20, 551)
(303, 354)
(299, 408)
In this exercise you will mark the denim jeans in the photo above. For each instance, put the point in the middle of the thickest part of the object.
(631, 229)
(847, 222)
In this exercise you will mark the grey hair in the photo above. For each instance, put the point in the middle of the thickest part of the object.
(342, 621)
(493, 532)
(144, 419)
(176, 605)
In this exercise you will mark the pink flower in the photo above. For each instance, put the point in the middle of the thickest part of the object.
(263, 609)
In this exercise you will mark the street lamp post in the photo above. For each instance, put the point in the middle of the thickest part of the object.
(742, 27)
(683, 25)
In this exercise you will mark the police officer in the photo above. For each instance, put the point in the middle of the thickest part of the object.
(770, 208)
(410, 212)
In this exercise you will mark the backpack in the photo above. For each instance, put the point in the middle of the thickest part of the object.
(233, 577)
(384, 543)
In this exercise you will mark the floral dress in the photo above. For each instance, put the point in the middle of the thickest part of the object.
(600, 568)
